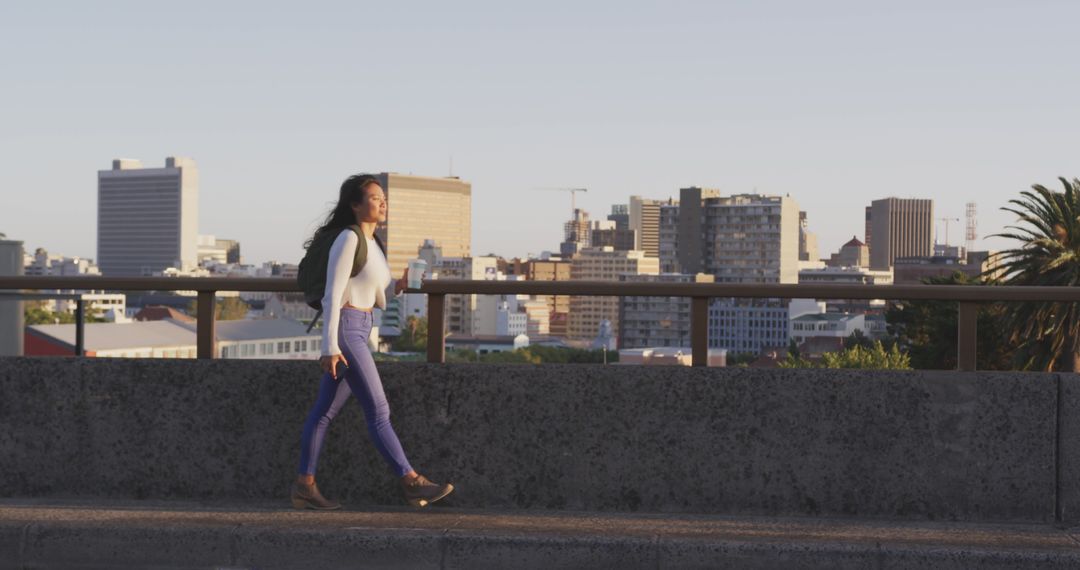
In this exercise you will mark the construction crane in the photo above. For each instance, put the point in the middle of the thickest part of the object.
(573, 192)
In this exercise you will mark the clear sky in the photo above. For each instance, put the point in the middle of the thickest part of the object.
(835, 103)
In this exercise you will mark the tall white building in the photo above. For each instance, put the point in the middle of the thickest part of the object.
(148, 218)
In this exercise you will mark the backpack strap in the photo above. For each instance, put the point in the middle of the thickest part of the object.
(361, 251)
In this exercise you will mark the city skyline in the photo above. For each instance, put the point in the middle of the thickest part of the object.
(835, 105)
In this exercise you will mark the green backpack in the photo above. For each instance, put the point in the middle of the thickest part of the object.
(311, 275)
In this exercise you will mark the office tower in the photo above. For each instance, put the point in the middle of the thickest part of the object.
(620, 214)
(649, 322)
(690, 212)
(669, 238)
(425, 208)
(602, 264)
(148, 218)
(645, 221)
(606, 232)
(900, 228)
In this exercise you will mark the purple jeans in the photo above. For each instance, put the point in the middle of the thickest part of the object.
(362, 380)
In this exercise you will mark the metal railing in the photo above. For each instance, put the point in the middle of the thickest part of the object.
(967, 297)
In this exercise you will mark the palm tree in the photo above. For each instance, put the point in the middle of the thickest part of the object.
(1047, 334)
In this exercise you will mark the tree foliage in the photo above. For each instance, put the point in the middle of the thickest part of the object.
(1047, 335)
(874, 358)
(34, 313)
(927, 330)
(413, 337)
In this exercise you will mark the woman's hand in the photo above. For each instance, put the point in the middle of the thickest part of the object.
(329, 364)
(403, 283)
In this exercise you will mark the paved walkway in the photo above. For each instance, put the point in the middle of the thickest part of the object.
(139, 534)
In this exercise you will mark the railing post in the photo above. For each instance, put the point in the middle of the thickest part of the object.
(966, 328)
(436, 335)
(80, 327)
(204, 340)
(699, 330)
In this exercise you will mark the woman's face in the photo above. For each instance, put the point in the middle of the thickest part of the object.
(373, 208)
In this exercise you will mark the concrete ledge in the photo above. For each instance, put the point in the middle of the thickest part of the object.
(912, 445)
(54, 534)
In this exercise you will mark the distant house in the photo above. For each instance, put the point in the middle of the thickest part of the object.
(170, 338)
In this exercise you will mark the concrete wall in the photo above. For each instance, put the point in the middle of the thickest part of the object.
(953, 446)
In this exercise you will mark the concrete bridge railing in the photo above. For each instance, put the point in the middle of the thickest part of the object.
(976, 446)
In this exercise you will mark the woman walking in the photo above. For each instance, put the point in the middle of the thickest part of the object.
(347, 303)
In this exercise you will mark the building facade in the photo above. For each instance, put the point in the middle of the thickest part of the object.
(749, 238)
(645, 221)
(650, 322)
(900, 228)
(148, 218)
(425, 208)
(602, 264)
(558, 305)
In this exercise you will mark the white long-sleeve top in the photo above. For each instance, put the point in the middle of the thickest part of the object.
(367, 289)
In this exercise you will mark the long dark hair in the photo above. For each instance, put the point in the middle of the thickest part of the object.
(352, 191)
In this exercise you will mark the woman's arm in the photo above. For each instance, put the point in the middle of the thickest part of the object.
(401, 284)
(338, 269)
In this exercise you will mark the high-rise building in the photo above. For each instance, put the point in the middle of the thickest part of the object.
(645, 221)
(606, 232)
(745, 238)
(602, 264)
(669, 238)
(689, 231)
(148, 218)
(421, 208)
(620, 214)
(749, 238)
(900, 227)
(649, 322)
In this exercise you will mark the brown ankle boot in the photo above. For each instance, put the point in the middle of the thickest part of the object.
(309, 497)
(420, 492)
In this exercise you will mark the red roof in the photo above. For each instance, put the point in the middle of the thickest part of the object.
(854, 242)
(159, 313)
